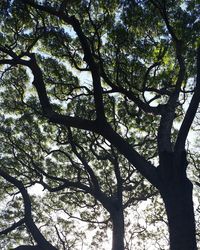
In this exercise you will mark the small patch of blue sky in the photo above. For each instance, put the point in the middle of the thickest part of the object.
(183, 6)
(69, 30)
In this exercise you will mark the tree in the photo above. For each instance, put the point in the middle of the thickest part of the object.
(137, 58)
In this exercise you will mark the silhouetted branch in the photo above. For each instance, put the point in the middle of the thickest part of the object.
(13, 226)
(37, 235)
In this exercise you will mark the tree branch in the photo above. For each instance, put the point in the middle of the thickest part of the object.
(48, 112)
(88, 57)
(13, 226)
(191, 111)
(87, 167)
(142, 105)
(37, 235)
(137, 160)
(168, 111)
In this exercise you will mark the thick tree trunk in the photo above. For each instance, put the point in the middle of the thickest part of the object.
(118, 229)
(180, 213)
(176, 191)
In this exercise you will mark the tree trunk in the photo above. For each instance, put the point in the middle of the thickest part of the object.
(176, 191)
(180, 213)
(118, 229)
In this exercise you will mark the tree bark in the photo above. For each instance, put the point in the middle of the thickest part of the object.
(118, 228)
(180, 213)
(176, 191)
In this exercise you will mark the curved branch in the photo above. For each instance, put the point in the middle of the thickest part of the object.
(47, 109)
(37, 235)
(142, 105)
(88, 57)
(191, 111)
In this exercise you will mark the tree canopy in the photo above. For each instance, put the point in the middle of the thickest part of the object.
(97, 99)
